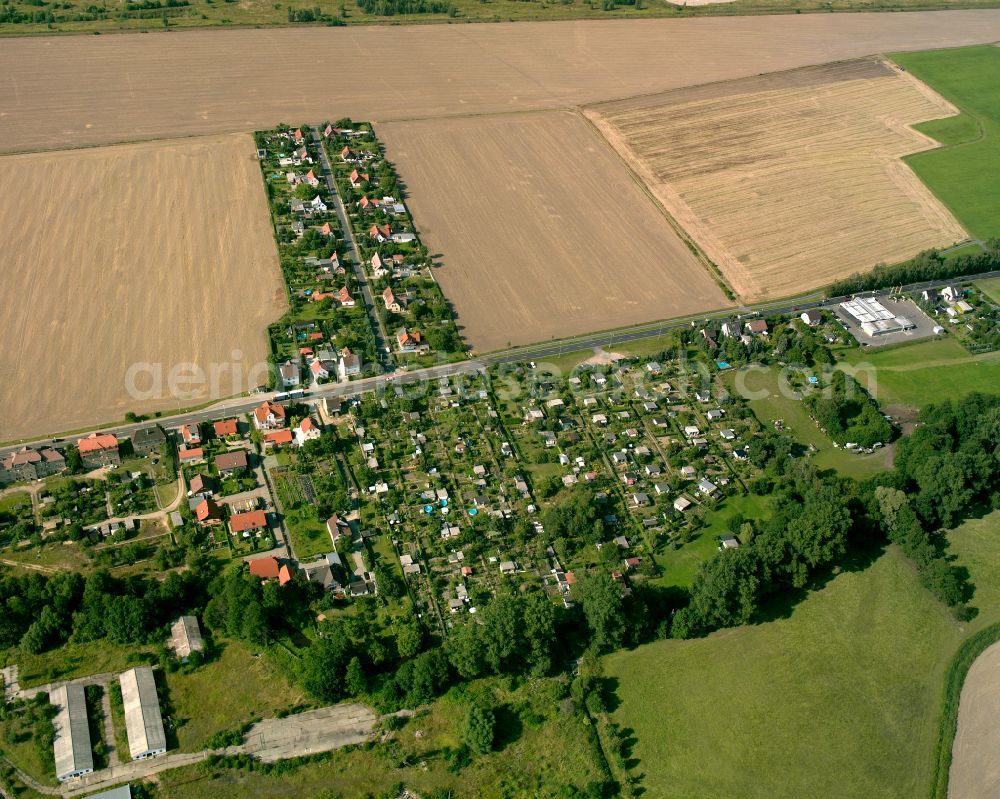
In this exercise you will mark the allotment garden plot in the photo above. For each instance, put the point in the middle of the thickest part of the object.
(154, 253)
(541, 230)
(789, 181)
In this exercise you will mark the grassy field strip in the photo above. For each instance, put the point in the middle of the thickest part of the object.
(963, 173)
(844, 696)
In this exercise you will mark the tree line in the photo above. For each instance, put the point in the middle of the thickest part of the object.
(945, 470)
(928, 265)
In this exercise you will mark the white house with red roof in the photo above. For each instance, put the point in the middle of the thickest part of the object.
(380, 233)
(410, 341)
(307, 430)
(357, 178)
(269, 416)
(318, 370)
(191, 435)
(344, 298)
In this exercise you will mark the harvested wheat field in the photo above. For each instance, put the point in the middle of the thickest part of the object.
(157, 253)
(68, 91)
(541, 229)
(792, 180)
(975, 765)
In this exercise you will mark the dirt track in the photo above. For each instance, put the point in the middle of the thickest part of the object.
(975, 765)
(63, 92)
(544, 231)
(155, 253)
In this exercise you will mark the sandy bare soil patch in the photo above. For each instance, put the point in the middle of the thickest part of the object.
(975, 764)
(543, 232)
(59, 92)
(156, 253)
(789, 181)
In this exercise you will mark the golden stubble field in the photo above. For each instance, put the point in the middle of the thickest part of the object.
(158, 253)
(789, 181)
(68, 91)
(544, 231)
(975, 765)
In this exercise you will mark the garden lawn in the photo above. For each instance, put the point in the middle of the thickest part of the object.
(679, 567)
(776, 405)
(840, 698)
(925, 372)
(991, 288)
(309, 536)
(963, 173)
(226, 692)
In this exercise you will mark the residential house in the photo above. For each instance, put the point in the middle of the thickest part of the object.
(99, 449)
(410, 341)
(730, 329)
(755, 327)
(30, 464)
(312, 180)
(226, 428)
(277, 438)
(344, 298)
(349, 365)
(317, 205)
(318, 370)
(812, 318)
(289, 373)
(681, 504)
(269, 416)
(307, 430)
(379, 266)
(392, 302)
(231, 462)
(248, 523)
(201, 485)
(148, 439)
(208, 513)
(952, 293)
(380, 233)
(357, 179)
(191, 454)
(706, 487)
(190, 435)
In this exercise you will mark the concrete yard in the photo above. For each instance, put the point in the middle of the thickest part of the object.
(310, 732)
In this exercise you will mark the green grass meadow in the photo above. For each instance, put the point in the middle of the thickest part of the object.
(924, 372)
(840, 697)
(963, 173)
(991, 288)
(774, 403)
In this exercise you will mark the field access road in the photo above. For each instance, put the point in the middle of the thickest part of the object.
(381, 337)
(245, 404)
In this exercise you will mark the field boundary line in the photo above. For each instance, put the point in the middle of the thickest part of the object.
(730, 293)
(969, 650)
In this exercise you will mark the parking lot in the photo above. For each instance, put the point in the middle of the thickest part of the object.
(923, 324)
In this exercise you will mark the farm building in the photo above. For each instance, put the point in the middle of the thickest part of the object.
(143, 724)
(185, 635)
(71, 746)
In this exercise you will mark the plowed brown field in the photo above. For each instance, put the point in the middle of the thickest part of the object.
(792, 180)
(59, 92)
(545, 232)
(153, 253)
